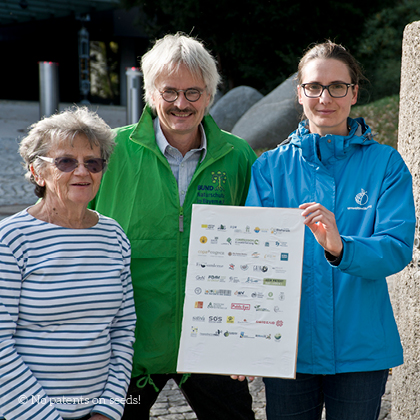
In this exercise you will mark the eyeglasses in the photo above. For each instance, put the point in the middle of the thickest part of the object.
(67, 164)
(336, 90)
(191, 95)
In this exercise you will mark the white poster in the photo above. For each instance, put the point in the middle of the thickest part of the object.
(242, 297)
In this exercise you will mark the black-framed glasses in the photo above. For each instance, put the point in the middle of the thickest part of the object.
(336, 90)
(191, 95)
(68, 164)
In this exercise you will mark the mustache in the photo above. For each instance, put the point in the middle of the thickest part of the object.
(178, 110)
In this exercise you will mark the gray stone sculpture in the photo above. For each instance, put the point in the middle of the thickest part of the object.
(406, 299)
(230, 108)
(272, 119)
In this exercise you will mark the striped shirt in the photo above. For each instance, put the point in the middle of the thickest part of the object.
(67, 319)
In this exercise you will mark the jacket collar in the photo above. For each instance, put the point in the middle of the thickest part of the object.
(143, 133)
(331, 147)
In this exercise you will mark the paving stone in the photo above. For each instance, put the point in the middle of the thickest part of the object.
(159, 405)
(180, 409)
(175, 396)
(156, 412)
(258, 395)
(172, 417)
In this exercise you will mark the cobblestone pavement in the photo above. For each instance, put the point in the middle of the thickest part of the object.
(14, 189)
(15, 118)
(16, 193)
(171, 404)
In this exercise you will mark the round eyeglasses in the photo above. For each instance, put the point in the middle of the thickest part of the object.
(336, 90)
(171, 95)
(67, 164)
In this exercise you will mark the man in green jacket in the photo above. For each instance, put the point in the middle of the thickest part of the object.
(173, 157)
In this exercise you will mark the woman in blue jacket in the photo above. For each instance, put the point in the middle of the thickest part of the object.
(356, 196)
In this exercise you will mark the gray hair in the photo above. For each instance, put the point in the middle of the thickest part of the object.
(63, 127)
(169, 53)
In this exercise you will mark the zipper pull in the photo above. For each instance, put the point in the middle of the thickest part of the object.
(181, 222)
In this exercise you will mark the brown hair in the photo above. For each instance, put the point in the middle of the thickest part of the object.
(335, 51)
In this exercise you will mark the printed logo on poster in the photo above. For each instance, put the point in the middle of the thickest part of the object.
(216, 305)
(274, 282)
(241, 306)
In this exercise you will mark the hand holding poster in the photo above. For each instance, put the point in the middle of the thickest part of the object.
(242, 296)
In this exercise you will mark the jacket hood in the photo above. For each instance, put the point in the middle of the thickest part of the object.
(331, 145)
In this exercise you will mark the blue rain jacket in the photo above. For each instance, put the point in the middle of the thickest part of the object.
(346, 319)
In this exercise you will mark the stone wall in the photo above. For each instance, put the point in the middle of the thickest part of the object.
(406, 293)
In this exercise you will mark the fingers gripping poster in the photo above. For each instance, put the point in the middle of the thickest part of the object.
(242, 297)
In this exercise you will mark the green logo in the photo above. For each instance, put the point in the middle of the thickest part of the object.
(219, 178)
(274, 282)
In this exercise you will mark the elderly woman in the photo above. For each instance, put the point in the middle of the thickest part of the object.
(66, 307)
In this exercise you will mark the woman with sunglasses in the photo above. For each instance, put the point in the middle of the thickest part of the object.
(66, 304)
(357, 203)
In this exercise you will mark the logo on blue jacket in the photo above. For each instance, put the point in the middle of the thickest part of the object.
(362, 198)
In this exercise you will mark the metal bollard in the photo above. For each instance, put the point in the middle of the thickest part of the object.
(48, 88)
(134, 101)
(84, 65)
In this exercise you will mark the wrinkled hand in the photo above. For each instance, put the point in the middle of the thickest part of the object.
(242, 377)
(323, 225)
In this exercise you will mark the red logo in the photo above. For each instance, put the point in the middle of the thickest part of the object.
(241, 306)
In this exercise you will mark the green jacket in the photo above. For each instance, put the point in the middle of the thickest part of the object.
(140, 192)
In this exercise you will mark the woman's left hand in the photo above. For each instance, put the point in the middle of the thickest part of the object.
(97, 416)
(242, 377)
(322, 224)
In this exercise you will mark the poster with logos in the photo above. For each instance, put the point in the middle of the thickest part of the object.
(242, 296)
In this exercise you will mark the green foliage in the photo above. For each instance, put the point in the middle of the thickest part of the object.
(257, 43)
(104, 70)
(380, 47)
(382, 117)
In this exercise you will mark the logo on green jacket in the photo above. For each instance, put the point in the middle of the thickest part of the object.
(219, 178)
(215, 192)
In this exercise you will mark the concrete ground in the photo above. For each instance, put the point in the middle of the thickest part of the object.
(16, 193)
(15, 118)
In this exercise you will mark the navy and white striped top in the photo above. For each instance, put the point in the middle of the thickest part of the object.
(67, 319)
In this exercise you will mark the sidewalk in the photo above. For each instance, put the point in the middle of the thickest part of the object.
(15, 117)
(171, 404)
(16, 194)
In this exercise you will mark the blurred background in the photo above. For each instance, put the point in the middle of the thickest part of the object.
(257, 43)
